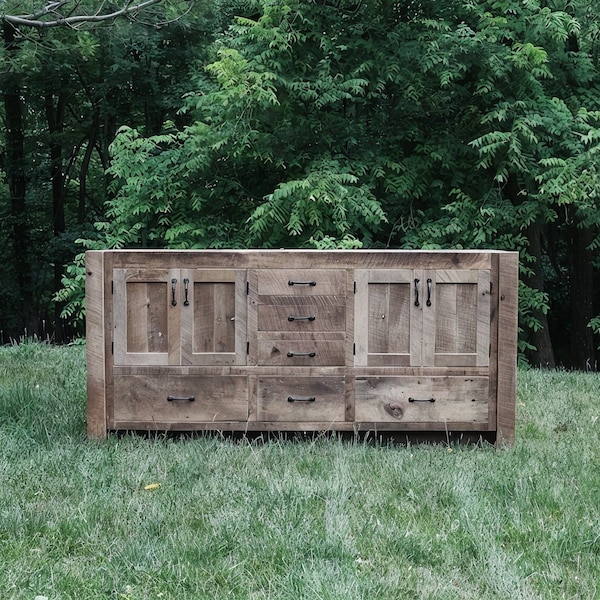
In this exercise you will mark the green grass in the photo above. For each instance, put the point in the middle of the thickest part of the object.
(323, 518)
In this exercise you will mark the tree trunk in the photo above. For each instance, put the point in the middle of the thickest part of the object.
(543, 355)
(55, 119)
(15, 174)
(581, 276)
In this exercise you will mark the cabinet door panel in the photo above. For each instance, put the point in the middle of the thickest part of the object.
(146, 323)
(456, 330)
(387, 318)
(213, 330)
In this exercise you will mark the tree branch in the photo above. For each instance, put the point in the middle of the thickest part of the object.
(50, 15)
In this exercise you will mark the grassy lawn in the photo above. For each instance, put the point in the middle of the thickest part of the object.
(321, 518)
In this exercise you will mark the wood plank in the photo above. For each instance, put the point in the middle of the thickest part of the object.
(252, 318)
(483, 318)
(241, 317)
(95, 345)
(361, 318)
(173, 329)
(508, 275)
(306, 259)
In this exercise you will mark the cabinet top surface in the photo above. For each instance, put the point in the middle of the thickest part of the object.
(303, 259)
(295, 251)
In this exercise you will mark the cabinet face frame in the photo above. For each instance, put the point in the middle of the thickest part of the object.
(240, 269)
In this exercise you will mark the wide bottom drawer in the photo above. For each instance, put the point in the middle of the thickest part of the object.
(180, 398)
(422, 399)
(301, 399)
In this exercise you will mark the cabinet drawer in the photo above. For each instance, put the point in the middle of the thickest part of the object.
(422, 399)
(301, 399)
(302, 316)
(301, 353)
(180, 398)
(301, 282)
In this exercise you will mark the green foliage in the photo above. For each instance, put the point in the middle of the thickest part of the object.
(395, 124)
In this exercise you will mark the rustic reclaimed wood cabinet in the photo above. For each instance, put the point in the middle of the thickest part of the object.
(286, 340)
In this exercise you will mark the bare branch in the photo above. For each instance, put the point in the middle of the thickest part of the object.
(50, 16)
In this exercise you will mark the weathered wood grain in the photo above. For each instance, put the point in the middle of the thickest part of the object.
(387, 324)
(422, 399)
(320, 399)
(168, 399)
(508, 281)
(95, 345)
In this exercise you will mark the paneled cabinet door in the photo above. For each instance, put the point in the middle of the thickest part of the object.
(179, 316)
(416, 318)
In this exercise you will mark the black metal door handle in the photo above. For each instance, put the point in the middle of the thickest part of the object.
(186, 288)
(429, 283)
(173, 290)
(417, 281)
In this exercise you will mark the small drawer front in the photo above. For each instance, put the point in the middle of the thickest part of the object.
(180, 398)
(301, 317)
(301, 282)
(301, 399)
(301, 353)
(422, 400)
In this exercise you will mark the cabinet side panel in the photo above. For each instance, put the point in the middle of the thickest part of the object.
(95, 345)
(508, 284)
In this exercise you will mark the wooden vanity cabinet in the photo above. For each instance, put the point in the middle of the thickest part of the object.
(256, 340)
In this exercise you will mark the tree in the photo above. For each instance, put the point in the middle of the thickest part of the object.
(70, 72)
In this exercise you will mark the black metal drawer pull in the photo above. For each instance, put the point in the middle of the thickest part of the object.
(309, 354)
(429, 283)
(421, 399)
(301, 398)
(311, 283)
(417, 292)
(176, 399)
(292, 318)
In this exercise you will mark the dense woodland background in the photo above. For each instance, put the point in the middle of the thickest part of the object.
(303, 123)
